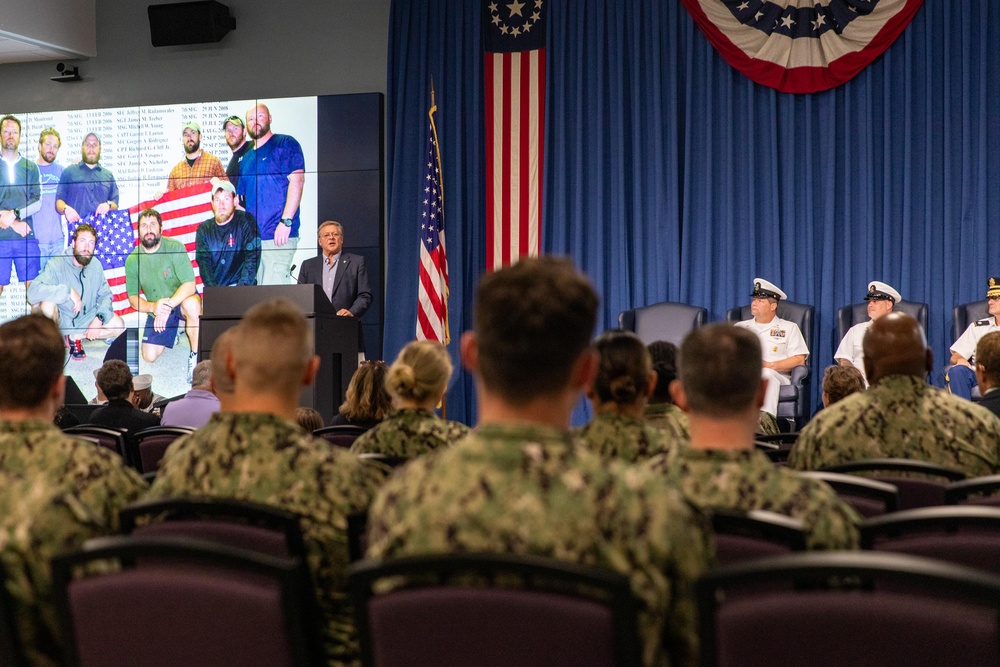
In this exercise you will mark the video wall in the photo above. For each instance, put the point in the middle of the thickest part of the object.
(238, 186)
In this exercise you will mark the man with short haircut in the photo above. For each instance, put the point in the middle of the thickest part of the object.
(20, 199)
(236, 139)
(721, 391)
(32, 385)
(253, 450)
(197, 405)
(115, 380)
(660, 410)
(343, 276)
(840, 382)
(960, 378)
(198, 165)
(227, 245)
(881, 297)
(900, 415)
(86, 188)
(50, 230)
(988, 371)
(221, 384)
(160, 282)
(74, 292)
(272, 175)
(521, 484)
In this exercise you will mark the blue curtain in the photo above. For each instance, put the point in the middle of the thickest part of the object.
(670, 176)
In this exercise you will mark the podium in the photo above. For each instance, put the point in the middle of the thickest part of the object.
(336, 339)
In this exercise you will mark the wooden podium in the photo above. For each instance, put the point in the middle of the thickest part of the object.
(337, 339)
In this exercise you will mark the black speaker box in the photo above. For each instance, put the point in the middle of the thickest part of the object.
(181, 23)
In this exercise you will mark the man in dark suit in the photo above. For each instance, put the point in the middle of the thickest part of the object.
(115, 380)
(988, 371)
(343, 276)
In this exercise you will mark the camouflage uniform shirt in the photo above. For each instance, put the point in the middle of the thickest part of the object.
(408, 433)
(670, 418)
(900, 416)
(97, 476)
(266, 459)
(746, 480)
(531, 489)
(38, 522)
(618, 436)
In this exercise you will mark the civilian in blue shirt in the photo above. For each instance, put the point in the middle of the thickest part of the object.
(86, 188)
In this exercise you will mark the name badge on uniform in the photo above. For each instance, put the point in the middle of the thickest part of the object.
(777, 333)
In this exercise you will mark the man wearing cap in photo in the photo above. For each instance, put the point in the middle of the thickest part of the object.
(198, 166)
(782, 343)
(881, 298)
(227, 245)
(86, 188)
(961, 377)
(236, 139)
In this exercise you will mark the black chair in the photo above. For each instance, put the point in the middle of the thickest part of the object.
(830, 609)
(920, 484)
(857, 313)
(974, 491)
(110, 438)
(357, 542)
(173, 601)
(869, 497)
(236, 523)
(741, 536)
(966, 535)
(780, 439)
(793, 399)
(516, 610)
(342, 435)
(669, 321)
(146, 447)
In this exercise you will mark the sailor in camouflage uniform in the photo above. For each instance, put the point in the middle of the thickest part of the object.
(32, 355)
(417, 381)
(960, 378)
(257, 452)
(660, 410)
(520, 483)
(721, 387)
(900, 416)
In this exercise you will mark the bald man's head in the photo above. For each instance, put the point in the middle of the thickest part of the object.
(895, 345)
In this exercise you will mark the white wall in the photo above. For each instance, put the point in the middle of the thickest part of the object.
(279, 49)
(55, 23)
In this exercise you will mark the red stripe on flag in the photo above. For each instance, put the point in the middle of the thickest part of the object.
(505, 183)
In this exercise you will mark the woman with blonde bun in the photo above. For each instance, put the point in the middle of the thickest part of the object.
(624, 381)
(417, 381)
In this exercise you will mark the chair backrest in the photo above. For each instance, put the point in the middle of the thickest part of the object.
(741, 536)
(564, 614)
(974, 491)
(146, 447)
(669, 321)
(341, 435)
(111, 438)
(920, 484)
(236, 523)
(965, 314)
(184, 602)
(856, 313)
(799, 313)
(966, 535)
(869, 497)
(901, 610)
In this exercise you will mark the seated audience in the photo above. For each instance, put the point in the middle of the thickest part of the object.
(839, 382)
(197, 405)
(367, 402)
(143, 396)
(988, 371)
(253, 450)
(115, 380)
(900, 416)
(221, 383)
(100, 398)
(520, 483)
(309, 419)
(721, 390)
(417, 381)
(618, 394)
(660, 409)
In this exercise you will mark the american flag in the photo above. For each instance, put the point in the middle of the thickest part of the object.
(514, 82)
(432, 294)
(182, 211)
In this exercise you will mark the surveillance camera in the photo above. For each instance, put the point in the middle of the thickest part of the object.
(60, 67)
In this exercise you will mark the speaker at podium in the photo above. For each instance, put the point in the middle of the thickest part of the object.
(337, 340)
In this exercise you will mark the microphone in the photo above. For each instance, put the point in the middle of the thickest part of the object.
(291, 270)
